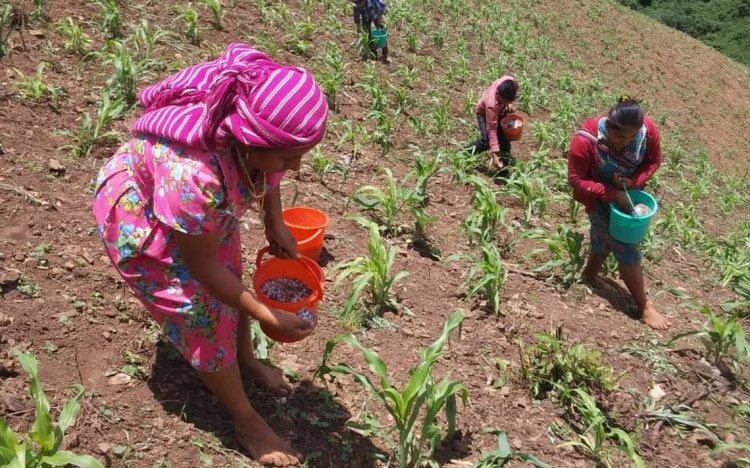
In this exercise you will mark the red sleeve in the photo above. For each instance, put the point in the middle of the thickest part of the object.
(652, 159)
(581, 158)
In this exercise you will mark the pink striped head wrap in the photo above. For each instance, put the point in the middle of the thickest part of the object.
(242, 96)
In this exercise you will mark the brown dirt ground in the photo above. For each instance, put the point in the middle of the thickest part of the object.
(169, 415)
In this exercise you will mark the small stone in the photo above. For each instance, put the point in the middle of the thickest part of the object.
(657, 393)
(2, 256)
(9, 277)
(36, 232)
(120, 379)
(107, 336)
(69, 266)
(104, 448)
(55, 167)
(19, 257)
(505, 391)
(86, 254)
(38, 33)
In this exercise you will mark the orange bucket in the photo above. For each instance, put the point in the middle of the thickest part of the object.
(303, 269)
(308, 226)
(512, 132)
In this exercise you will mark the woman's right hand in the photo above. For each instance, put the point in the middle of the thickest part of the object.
(287, 324)
(621, 199)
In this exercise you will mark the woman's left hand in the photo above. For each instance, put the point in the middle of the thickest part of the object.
(281, 242)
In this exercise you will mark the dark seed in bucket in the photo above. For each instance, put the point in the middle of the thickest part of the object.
(285, 290)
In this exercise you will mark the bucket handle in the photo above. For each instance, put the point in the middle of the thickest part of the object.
(318, 289)
(314, 235)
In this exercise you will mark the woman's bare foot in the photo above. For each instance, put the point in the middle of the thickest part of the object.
(269, 378)
(263, 444)
(654, 319)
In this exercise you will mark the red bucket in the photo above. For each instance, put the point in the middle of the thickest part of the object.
(303, 269)
(308, 226)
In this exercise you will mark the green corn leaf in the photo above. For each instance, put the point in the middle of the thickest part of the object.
(65, 458)
(42, 432)
(70, 410)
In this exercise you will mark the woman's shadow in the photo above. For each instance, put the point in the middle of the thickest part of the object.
(311, 416)
(617, 296)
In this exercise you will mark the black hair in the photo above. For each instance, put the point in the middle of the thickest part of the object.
(508, 89)
(627, 113)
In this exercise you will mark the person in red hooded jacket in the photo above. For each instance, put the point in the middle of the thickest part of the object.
(610, 153)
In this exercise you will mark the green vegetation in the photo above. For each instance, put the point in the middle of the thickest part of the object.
(41, 447)
(415, 407)
(722, 24)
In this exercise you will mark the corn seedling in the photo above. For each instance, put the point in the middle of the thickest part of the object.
(389, 205)
(372, 275)
(92, 133)
(331, 79)
(38, 12)
(122, 84)
(503, 455)
(321, 164)
(76, 41)
(189, 18)
(568, 254)
(530, 190)
(655, 355)
(487, 278)
(595, 437)
(408, 75)
(723, 338)
(145, 37)
(411, 41)
(678, 416)
(738, 462)
(420, 128)
(8, 23)
(441, 117)
(424, 169)
(35, 89)
(41, 447)
(486, 215)
(111, 22)
(299, 40)
(438, 37)
(552, 363)
(464, 164)
(415, 407)
(217, 13)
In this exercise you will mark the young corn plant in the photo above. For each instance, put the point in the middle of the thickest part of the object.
(503, 455)
(127, 71)
(41, 447)
(7, 25)
(322, 164)
(486, 215)
(217, 13)
(111, 22)
(441, 117)
(463, 165)
(76, 41)
(389, 205)
(35, 88)
(145, 37)
(189, 18)
(551, 363)
(38, 12)
(415, 406)
(487, 278)
(331, 79)
(372, 275)
(530, 190)
(568, 254)
(724, 339)
(595, 438)
(299, 40)
(424, 169)
(92, 132)
(678, 416)
(382, 133)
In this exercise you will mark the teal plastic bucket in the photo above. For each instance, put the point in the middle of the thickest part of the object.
(379, 38)
(629, 228)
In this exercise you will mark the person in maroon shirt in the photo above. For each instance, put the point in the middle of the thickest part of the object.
(610, 153)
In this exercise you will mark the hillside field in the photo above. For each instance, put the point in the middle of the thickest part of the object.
(503, 257)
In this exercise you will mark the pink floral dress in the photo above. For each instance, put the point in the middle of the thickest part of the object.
(148, 190)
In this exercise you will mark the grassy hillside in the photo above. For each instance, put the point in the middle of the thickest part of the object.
(507, 254)
(722, 24)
